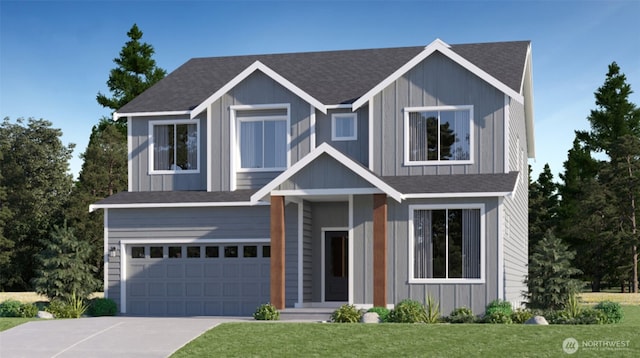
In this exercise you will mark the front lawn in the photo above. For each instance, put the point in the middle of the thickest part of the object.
(401, 340)
(10, 322)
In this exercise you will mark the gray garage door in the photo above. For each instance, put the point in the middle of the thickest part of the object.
(197, 279)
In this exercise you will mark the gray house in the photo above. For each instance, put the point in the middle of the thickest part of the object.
(323, 178)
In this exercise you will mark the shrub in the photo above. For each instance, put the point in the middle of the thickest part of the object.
(521, 316)
(73, 307)
(585, 316)
(432, 309)
(382, 312)
(10, 308)
(611, 310)
(29, 310)
(573, 306)
(462, 315)
(501, 306)
(408, 311)
(346, 314)
(266, 312)
(102, 307)
(498, 317)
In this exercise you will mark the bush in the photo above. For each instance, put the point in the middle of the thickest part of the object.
(10, 308)
(266, 312)
(462, 315)
(382, 312)
(73, 307)
(585, 316)
(521, 316)
(346, 314)
(102, 307)
(432, 309)
(501, 306)
(29, 310)
(498, 317)
(611, 310)
(408, 311)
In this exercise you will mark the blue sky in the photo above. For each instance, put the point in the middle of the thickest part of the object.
(56, 55)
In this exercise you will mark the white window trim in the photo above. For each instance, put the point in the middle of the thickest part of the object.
(354, 118)
(235, 135)
(196, 121)
(412, 279)
(408, 110)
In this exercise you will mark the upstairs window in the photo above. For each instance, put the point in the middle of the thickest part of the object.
(262, 139)
(344, 126)
(438, 135)
(174, 146)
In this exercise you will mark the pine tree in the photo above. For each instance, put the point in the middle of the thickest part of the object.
(66, 269)
(615, 130)
(543, 206)
(550, 281)
(136, 72)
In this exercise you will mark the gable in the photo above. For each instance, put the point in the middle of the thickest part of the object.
(325, 172)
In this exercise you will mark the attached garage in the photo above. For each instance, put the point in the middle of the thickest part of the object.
(196, 279)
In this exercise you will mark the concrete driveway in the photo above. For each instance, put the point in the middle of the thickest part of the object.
(104, 336)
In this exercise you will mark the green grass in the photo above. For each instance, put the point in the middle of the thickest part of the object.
(10, 322)
(271, 339)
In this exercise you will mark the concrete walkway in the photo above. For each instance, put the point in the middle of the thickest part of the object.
(105, 336)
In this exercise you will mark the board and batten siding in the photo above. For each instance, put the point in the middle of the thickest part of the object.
(450, 296)
(324, 173)
(227, 223)
(363, 249)
(142, 180)
(438, 81)
(307, 252)
(516, 231)
(356, 149)
(257, 89)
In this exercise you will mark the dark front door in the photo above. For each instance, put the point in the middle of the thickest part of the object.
(336, 266)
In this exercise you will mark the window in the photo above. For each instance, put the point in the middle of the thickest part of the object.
(174, 146)
(156, 252)
(447, 243)
(211, 251)
(175, 252)
(344, 126)
(250, 251)
(193, 251)
(438, 135)
(137, 252)
(263, 142)
(266, 251)
(231, 251)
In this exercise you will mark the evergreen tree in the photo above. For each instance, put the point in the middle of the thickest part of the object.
(66, 269)
(136, 72)
(6, 245)
(37, 183)
(550, 281)
(543, 205)
(615, 130)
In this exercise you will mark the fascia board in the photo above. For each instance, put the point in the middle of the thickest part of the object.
(257, 65)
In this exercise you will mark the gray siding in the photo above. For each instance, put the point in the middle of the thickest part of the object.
(325, 173)
(438, 81)
(254, 90)
(201, 223)
(516, 231)
(307, 261)
(450, 296)
(355, 149)
(363, 249)
(143, 181)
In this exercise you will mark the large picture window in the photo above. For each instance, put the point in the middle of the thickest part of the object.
(447, 244)
(174, 146)
(263, 143)
(438, 135)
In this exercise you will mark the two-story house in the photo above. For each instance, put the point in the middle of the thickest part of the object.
(316, 179)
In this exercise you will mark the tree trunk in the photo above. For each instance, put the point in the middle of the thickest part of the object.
(595, 284)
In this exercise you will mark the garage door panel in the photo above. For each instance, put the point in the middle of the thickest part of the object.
(194, 289)
(194, 286)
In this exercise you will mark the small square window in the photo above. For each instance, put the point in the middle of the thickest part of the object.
(250, 251)
(193, 251)
(137, 252)
(156, 252)
(231, 251)
(211, 251)
(266, 251)
(344, 126)
(175, 252)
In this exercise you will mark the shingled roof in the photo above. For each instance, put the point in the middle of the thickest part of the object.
(332, 77)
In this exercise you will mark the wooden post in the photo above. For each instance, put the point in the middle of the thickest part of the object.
(380, 250)
(277, 251)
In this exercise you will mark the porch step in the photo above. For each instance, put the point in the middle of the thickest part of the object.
(306, 314)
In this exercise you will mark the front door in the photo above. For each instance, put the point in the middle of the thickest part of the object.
(336, 266)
